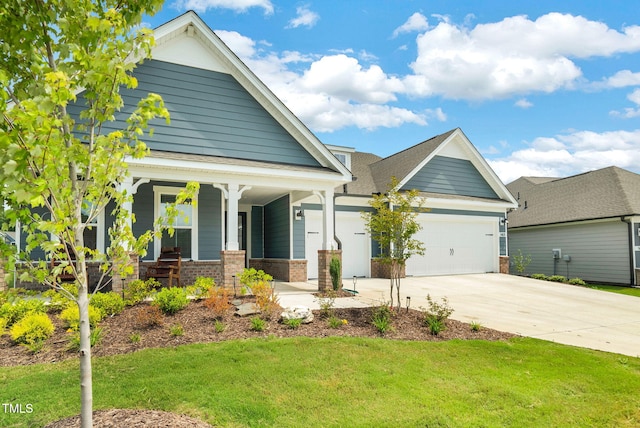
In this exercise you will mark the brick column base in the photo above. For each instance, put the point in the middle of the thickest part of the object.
(504, 264)
(637, 277)
(117, 281)
(383, 270)
(324, 273)
(232, 265)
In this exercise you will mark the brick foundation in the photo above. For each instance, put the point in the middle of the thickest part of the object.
(504, 264)
(282, 269)
(324, 274)
(118, 282)
(232, 265)
(383, 270)
(637, 277)
(93, 273)
(190, 270)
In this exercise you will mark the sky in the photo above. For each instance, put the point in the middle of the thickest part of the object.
(540, 87)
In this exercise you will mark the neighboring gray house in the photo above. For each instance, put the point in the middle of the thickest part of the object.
(271, 194)
(584, 226)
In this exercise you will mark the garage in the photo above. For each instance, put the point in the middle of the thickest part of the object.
(356, 244)
(456, 245)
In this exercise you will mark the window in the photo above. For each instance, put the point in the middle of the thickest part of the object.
(184, 227)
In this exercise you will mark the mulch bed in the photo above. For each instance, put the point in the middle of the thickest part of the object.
(198, 324)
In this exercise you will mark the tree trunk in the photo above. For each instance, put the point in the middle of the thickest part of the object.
(86, 382)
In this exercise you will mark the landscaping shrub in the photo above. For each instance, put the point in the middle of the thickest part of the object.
(171, 300)
(138, 290)
(218, 301)
(3, 325)
(327, 303)
(258, 324)
(14, 312)
(435, 325)
(266, 299)
(334, 271)
(219, 326)
(109, 303)
(577, 281)
(334, 322)
(251, 276)
(381, 318)
(201, 288)
(176, 330)
(438, 311)
(71, 317)
(557, 278)
(540, 276)
(58, 301)
(149, 316)
(475, 326)
(95, 337)
(32, 330)
(292, 323)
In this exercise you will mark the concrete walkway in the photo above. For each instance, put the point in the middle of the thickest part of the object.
(546, 310)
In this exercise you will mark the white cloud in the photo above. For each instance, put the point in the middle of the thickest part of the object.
(569, 154)
(236, 5)
(630, 112)
(621, 79)
(416, 22)
(513, 56)
(523, 103)
(304, 18)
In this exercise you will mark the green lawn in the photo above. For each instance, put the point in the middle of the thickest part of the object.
(347, 382)
(629, 291)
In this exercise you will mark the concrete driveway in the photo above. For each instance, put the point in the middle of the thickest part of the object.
(546, 310)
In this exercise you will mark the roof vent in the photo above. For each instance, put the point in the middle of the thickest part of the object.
(190, 31)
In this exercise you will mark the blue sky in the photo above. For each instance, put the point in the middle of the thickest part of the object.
(541, 88)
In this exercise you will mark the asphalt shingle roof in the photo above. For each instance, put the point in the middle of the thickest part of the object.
(604, 193)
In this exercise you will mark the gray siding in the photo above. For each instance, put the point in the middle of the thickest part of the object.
(451, 176)
(298, 236)
(276, 229)
(599, 251)
(211, 114)
(209, 223)
(257, 227)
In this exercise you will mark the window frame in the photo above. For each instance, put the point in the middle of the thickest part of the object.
(158, 192)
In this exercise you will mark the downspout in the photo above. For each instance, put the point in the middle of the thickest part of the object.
(335, 197)
(632, 270)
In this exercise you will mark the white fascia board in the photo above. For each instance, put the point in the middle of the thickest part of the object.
(565, 224)
(183, 171)
(476, 159)
(255, 87)
(455, 204)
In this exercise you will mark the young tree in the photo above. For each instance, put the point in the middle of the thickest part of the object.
(393, 225)
(59, 170)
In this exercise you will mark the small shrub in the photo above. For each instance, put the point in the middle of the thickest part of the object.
(138, 290)
(438, 311)
(58, 300)
(475, 326)
(219, 326)
(32, 330)
(577, 281)
(258, 324)
(95, 337)
(381, 318)
(218, 301)
(3, 325)
(327, 303)
(334, 271)
(251, 276)
(71, 317)
(292, 323)
(109, 303)
(149, 316)
(334, 322)
(539, 276)
(520, 262)
(171, 300)
(176, 330)
(135, 338)
(201, 288)
(557, 278)
(14, 312)
(435, 325)
(266, 299)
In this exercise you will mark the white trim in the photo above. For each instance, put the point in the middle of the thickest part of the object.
(158, 191)
(568, 223)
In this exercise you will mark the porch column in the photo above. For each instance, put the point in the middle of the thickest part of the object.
(232, 193)
(325, 255)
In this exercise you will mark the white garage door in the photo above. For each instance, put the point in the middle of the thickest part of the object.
(456, 245)
(356, 244)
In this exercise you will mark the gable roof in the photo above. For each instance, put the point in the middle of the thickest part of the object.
(374, 173)
(187, 40)
(605, 193)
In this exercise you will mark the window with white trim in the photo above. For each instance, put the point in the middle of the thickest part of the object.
(185, 227)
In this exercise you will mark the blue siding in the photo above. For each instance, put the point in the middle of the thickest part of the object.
(298, 236)
(209, 223)
(451, 176)
(143, 211)
(257, 234)
(276, 229)
(211, 114)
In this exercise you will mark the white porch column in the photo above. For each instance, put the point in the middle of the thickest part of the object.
(131, 188)
(328, 227)
(232, 193)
